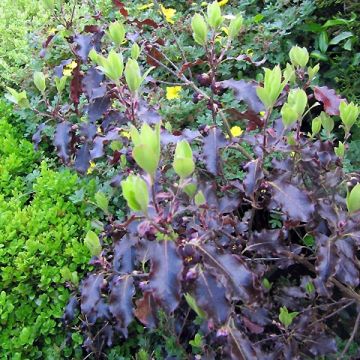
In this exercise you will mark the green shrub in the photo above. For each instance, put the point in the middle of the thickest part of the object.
(40, 231)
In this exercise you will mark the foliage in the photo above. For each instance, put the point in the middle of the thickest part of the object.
(242, 264)
(40, 251)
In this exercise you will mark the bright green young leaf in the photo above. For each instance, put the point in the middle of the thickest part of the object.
(285, 317)
(135, 192)
(214, 17)
(199, 29)
(117, 32)
(102, 201)
(92, 242)
(39, 81)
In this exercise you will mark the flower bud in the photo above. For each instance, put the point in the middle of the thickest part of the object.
(117, 32)
(214, 15)
(133, 75)
(183, 163)
(235, 26)
(272, 88)
(299, 56)
(200, 29)
(312, 71)
(340, 150)
(298, 100)
(136, 193)
(190, 189)
(348, 114)
(146, 151)
(316, 125)
(39, 81)
(113, 66)
(135, 51)
(353, 199)
(289, 115)
(327, 122)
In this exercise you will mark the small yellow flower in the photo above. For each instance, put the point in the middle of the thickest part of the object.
(173, 92)
(91, 168)
(292, 154)
(169, 13)
(99, 130)
(236, 131)
(146, 6)
(221, 3)
(52, 31)
(68, 69)
(125, 134)
(262, 113)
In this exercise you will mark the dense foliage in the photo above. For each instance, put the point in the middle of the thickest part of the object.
(40, 249)
(230, 225)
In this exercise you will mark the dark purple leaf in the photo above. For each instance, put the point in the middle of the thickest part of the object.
(210, 296)
(323, 345)
(146, 310)
(233, 273)
(294, 202)
(240, 346)
(37, 136)
(329, 98)
(165, 274)
(245, 91)
(327, 258)
(213, 142)
(70, 310)
(83, 46)
(62, 140)
(267, 242)
(124, 254)
(82, 161)
(92, 305)
(120, 300)
(253, 178)
(92, 81)
(97, 108)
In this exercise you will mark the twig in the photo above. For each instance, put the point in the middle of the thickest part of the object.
(355, 329)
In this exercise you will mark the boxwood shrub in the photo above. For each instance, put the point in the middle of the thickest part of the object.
(41, 231)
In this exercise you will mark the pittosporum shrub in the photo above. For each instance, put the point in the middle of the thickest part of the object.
(254, 266)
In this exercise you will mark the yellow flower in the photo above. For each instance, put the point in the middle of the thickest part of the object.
(173, 92)
(91, 168)
(68, 69)
(125, 134)
(236, 131)
(168, 13)
(146, 6)
(221, 3)
(262, 113)
(52, 31)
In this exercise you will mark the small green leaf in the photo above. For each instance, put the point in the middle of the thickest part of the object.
(285, 317)
(214, 17)
(117, 32)
(102, 202)
(39, 81)
(323, 41)
(342, 36)
(267, 284)
(192, 303)
(309, 287)
(309, 240)
(199, 198)
(92, 242)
